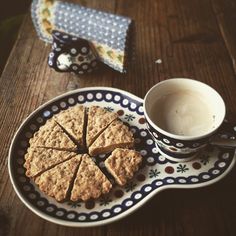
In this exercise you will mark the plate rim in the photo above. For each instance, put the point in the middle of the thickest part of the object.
(114, 218)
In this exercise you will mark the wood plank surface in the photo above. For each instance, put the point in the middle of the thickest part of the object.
(193, 39)
(225, 14)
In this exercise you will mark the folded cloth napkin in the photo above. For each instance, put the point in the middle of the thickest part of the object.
(108, 33)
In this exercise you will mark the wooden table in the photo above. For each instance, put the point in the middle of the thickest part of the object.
(193, 38)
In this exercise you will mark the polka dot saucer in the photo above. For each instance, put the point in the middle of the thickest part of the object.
(156, 173)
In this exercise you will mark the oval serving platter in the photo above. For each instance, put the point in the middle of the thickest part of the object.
(156, 173)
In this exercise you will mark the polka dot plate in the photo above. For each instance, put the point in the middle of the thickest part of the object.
(156, 173)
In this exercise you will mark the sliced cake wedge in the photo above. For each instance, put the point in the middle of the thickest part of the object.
(38, 160)
(90, 182)
(122, 164)
(116, 135)
(98, 120)
(51, 135)
(72, 120)
(56, 182)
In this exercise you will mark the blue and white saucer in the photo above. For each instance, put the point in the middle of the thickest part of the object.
(157, 172)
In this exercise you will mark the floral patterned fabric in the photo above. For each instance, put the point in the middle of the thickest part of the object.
(107, 32)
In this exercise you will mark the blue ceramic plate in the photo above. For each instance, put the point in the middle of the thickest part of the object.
(156, 173)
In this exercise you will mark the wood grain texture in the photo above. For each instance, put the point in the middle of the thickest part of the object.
(193, 39)
(225, 15)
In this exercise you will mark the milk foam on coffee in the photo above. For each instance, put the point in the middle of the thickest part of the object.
(183, 112)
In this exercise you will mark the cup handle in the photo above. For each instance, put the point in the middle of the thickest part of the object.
(223, 142)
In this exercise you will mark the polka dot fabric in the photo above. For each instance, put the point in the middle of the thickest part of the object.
(109, 33)
(155, 174)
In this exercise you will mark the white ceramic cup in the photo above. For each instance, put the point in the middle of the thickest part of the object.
(182, 115)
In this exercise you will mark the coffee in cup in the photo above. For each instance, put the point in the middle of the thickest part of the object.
(182, 114)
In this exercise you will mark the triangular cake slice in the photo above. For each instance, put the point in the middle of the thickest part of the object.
(116, 135)
(51, 135)
(98, 120)
(90, 182)
(122, 164)
(72, 121)
(38, 160)
(57, 181)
